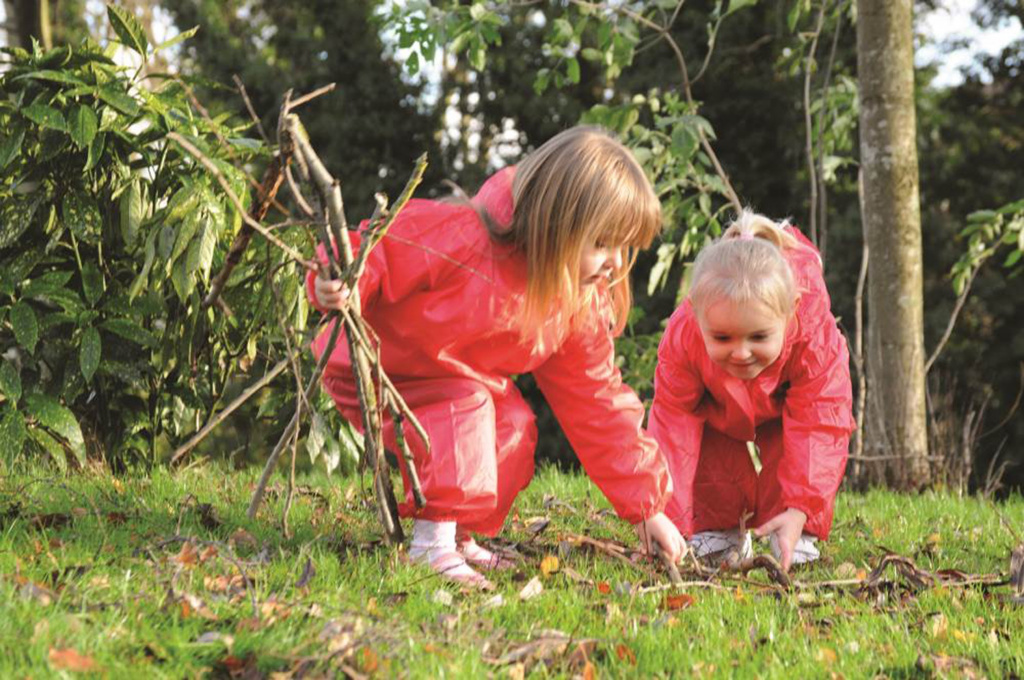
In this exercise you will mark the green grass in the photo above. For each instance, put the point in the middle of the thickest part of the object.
(85, 566)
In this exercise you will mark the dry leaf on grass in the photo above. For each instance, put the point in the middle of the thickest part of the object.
(531, 589)
(70, 660)
(548, 565)
(676, 602)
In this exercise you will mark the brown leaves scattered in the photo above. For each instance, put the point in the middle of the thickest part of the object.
(677, 602)
(942, 665)
(242, 539)
(548, 565)
(548, 647)
(68, 659)
(188, 556)
(625, 654)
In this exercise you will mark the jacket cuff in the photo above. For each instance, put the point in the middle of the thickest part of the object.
(311, 291)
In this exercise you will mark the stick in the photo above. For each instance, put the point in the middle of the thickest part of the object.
(198, 155)
(268, 469)
(185, 448)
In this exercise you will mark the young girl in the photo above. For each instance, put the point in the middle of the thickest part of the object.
(753, 363)
(531, 276)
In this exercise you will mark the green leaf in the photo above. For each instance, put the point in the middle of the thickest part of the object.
(13, 434)
(119, 99)
(590, 54)
(10, 147)
(130, 208)
(186, 231)
(54, 416)
(95, 152)
(736, 5)
(51, 446)
(143, 278)
(52, 76)
(204, 245)
(25, 325)
(45, 284)
(316, 438)
(16, 217)
(128, 29)
(82, 216)
(182, 280)
(89, 352)
(93, 283)
(572, 70)
(129, 330)
(10, 381)
(184, 35)
(1013, 258)
(83, 125)
(45, 116)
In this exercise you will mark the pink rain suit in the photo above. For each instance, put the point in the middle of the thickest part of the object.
(797, 412)
(442, 296)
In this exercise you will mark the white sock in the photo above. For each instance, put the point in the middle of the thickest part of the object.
(711, 542)
(804, 551)
(435, 537)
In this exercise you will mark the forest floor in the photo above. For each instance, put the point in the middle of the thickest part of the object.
(163, 575)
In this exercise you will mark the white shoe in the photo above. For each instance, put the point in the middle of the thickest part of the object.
(711, 543)
(803, 552)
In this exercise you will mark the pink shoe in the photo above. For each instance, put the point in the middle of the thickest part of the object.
(453, 566)
(479, 556)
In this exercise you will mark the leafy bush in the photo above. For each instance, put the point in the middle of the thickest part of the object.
(107, 233)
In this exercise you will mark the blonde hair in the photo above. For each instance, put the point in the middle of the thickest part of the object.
(582, 187)
(747, 264)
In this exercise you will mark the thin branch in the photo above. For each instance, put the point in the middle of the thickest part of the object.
(687, 87)
(809, 64)
(313, 384)
(822, 185)
(215, 171)
(960, 300)
(306, 98)
(248, 105)
(246, 394)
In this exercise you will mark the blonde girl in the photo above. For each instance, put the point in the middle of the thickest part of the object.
(530, 276)
(752, 403)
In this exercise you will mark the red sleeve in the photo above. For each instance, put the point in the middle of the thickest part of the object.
(413, 255)
(817, 417)
(603, 418)
(678, 390)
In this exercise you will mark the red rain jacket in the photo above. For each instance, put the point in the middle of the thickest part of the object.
(807, 389)
(441, 295)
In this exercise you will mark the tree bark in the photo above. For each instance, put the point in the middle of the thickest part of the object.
(27, 19)
(896, 420)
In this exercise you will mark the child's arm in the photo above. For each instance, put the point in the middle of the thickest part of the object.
(415, 254)
(678, 390)
(817, 421)
(603, 417)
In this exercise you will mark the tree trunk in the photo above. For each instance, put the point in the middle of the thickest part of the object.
(27, 19)
(896, 418)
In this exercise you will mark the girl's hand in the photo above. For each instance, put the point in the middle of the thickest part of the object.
(788, 527)
(330, 294)
(660, 529)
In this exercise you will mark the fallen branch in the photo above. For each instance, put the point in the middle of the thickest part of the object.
(246, 394)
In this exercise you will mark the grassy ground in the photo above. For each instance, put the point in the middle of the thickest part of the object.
(96, 577)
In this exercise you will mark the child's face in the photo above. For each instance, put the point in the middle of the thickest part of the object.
(744, 338)
(599, 262)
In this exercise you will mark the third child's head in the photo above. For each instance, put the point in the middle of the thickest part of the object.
(583, 208)
(743, 293)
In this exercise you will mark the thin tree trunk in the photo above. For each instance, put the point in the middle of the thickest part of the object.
(892, 227)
